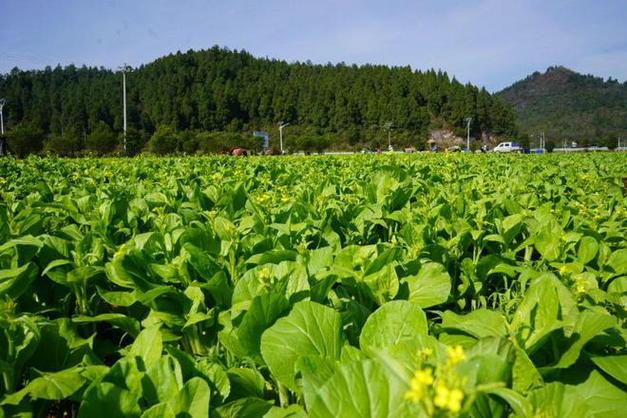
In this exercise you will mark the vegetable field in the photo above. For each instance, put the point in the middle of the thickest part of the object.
(349, 286)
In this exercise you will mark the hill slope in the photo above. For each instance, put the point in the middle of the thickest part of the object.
(568, 105)
(231, 91)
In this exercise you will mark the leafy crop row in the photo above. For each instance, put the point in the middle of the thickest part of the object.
(361, 286)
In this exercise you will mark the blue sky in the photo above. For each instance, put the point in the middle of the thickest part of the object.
(490, 43)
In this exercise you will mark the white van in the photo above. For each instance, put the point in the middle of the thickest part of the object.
(507, 147)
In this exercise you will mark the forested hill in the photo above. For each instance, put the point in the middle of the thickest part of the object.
(220, 90)
(569, 105)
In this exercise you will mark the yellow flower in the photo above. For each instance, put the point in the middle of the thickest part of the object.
(580, 286)
(563, 269)
(418, 383)
(455, 354)
(415, 394)
(425, 352)
(424, 376)
(264, 276)
(446, 398)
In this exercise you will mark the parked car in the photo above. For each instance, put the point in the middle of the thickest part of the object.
(508, 147)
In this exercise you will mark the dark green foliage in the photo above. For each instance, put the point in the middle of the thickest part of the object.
(164, 141)
(102, 140)
(313, 143)
(135, 141)
(25, 139)
(570, 106)
(66, 144)
(231, 91)
(188, 142)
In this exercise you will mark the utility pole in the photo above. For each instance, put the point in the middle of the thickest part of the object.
(3, 144)
(468, 120)
(281, 126)
(124, 69)
(540, 138)
(389, 125)
(2, 102)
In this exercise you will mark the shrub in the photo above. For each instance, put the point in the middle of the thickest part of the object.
(101, 140)
(25, 139)
(164, 141)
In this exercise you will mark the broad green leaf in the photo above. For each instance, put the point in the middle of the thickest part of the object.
(618, 285)
(554, 400)
(314, 372)
(217, 377)
(618, 261)
(406, 352)
(615, 366)
(54, 264)
(130, 325)
(521, 406)
(319, 259)
(588, 248)
(224, 229)
(272, 257)
(211, 372)
(548, 241)
(23, 241)
(50, 386)
(106, 400)
(353, 258)
(148, 345)
(310, 328)
(81, 275)
(479, 323)
(192, 400)
(60, 346)
(14, 282)
(601, 397)
(538, 313)
(228, 334)
(453, 339)
(360, 389)
(162, 381)
(203, 263)
(128, 373)
(383, 284)
(262, 313)
(160, 410)
(123, 299)
(525, 376)
(292, 411)
(244, 408)
(588, 326)
(430, 287)
(245, 383)
(219, 289)
(385, 258)
(392, 323)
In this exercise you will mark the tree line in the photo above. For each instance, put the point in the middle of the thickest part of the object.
(210, 100)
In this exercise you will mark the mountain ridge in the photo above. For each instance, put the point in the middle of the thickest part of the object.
(567, 105)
